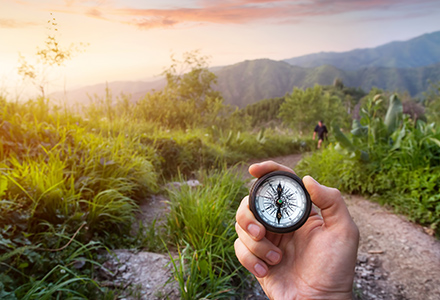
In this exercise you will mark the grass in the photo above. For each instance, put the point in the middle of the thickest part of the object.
(201, 224)
(59, 170)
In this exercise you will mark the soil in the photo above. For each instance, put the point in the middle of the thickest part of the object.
(396, 258)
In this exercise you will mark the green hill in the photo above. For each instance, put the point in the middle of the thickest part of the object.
(417, 52)
(249, 81)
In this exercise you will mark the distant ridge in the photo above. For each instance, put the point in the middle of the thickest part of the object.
(398, 66)
(417, 52)
(247, 82)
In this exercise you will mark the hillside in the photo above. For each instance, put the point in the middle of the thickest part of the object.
(247, 82)
(417, 52)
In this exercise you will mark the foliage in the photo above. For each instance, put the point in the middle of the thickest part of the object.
(391, 157)
(432, 103)
(263, 112)
(55, 178)
(188, 100)
(304, 108)
(201, 221)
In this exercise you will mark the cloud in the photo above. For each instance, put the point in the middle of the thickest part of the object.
(11, 23)
(248, 11)
(231, 11)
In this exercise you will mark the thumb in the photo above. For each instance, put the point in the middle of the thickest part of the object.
(329, 200)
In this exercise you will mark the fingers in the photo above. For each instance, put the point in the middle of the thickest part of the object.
(252, 248)
(329, 200)
(262, 249)
(245, 218)
(258, 170)
(252, 263)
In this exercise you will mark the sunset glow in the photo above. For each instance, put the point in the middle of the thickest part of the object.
(133, 40)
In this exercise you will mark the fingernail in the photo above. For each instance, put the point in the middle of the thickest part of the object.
(253, 230)
(260, 270)
(273, 256)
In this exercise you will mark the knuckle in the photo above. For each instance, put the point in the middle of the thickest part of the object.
(335, 193)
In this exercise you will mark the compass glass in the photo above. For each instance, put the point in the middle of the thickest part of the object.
(280, 201)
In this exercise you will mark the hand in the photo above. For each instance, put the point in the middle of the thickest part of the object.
(315, 262)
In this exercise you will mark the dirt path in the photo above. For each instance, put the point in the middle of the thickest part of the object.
(396, 258)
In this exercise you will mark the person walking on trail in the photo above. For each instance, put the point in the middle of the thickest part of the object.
(321, 129)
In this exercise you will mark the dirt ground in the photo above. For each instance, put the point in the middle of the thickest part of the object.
(396, 258)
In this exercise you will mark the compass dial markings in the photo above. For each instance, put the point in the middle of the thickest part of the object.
(280, 201)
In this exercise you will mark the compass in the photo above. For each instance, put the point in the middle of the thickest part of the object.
(280, 201)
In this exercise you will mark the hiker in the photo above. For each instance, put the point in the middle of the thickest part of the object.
(317, 261)
(321, 129)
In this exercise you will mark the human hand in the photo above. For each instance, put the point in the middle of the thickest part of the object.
(315, 262)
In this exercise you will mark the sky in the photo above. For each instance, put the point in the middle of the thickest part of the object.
(134, 39)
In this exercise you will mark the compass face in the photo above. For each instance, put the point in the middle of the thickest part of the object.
(280, 201)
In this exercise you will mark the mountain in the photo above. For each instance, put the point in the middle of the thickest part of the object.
(249, 81)
(397, 66)
(417, 52)
(253, 80)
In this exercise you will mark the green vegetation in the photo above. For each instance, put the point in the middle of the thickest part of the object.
(319, 106)
(203, 228)
(393, 158)
(70, 186)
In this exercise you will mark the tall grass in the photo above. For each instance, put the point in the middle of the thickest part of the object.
(201, 222)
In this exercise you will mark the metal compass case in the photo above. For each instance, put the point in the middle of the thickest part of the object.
(280, 201)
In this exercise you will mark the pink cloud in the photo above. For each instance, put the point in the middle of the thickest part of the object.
(228, 11)
(247, 11)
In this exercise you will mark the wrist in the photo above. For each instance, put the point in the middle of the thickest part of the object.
(327, 295)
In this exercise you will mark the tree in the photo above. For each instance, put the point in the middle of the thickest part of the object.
(304, 108)
(188, 98)
(432, 103)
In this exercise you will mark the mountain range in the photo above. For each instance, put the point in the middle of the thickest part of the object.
(397, 66)
(417, 52)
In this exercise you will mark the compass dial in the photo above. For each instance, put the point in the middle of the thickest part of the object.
(280, 201)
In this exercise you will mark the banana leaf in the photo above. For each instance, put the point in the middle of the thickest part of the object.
(359, 130)
(342, 139)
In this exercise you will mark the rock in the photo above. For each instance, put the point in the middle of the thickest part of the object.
(146, 272)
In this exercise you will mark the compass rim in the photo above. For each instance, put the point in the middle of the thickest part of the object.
(252, 198)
